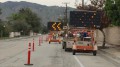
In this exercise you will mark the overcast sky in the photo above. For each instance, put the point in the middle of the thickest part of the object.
(51, 2)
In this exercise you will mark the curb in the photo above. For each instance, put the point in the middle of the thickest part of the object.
(18, 38)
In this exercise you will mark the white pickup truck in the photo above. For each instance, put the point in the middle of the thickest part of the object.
(68, 43)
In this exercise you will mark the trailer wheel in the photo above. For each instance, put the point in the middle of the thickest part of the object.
(49, 42)
(65, 48)
(74, 52)
(63, 45)
(94, 53)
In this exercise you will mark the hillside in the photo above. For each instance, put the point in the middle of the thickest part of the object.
(47, 13)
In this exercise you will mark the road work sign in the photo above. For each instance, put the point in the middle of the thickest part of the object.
(55, 26)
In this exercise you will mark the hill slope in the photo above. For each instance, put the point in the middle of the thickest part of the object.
(47, 13)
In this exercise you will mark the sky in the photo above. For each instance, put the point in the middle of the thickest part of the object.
(52, 2)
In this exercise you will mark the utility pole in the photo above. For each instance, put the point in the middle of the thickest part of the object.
(83, 3)
(66, 19)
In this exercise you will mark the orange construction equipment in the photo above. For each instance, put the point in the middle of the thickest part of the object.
(54, 38)
(85, 45)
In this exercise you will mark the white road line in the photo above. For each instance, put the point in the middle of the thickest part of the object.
(81, 65)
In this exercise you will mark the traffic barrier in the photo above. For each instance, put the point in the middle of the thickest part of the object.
(29, 55)
(33, 45)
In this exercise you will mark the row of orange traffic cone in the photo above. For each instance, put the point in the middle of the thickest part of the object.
(33, 48)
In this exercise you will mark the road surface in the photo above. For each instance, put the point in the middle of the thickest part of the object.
(13, 53)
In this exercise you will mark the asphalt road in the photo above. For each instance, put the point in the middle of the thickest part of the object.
(14, 54)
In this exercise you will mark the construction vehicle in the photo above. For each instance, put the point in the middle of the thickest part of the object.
(86, 44)
(68, 43)
(55, 37)
(54, 28)
(68, 40)
(84, 22)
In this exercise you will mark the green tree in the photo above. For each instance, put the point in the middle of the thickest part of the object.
(112, 8)
(1, 27)
(44, 29)
(0, 14)
(31, 18)
(4, 30)
(24, 21)
(22, 27)
(98, 5)
(17, 22)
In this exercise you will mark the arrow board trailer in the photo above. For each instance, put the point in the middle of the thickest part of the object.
(55, 28)
(85, 42)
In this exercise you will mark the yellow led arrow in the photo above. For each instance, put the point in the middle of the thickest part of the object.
(58, 26)
(53, 26)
